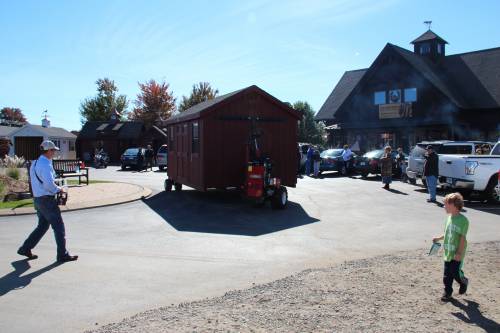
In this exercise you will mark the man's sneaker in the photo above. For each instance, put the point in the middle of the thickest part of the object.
(463, 286)
(26, 253)
(67, 258)
(446, 298)
(431, 200)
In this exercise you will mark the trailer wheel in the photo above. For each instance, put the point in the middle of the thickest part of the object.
(168, 185)
(178, 187)
(493, 190)
(280, 198)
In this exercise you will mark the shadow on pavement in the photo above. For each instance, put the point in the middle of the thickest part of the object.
(475, 316)
(396, 191)
(14, 280)
(224, 212)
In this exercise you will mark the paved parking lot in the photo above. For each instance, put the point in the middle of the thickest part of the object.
(175, 247)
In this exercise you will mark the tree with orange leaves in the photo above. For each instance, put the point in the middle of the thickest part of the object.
(155, 103)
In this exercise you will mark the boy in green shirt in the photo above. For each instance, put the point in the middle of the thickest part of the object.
(455, 245)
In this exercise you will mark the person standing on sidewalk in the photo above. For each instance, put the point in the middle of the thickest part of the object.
(309, 160)
(431, 172)
(44, 189)
(149, 157)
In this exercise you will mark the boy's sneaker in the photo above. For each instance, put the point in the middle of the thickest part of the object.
(463, 286)
(446, 298)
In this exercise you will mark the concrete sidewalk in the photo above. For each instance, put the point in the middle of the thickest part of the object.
(91, 196)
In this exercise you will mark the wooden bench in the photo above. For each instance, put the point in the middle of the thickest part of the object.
(68, 169)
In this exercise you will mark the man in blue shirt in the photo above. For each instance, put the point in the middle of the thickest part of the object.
(44, 189)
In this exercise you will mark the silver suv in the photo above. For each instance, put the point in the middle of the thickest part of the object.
(416, 160)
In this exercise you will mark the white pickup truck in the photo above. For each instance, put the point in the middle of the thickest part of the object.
(472, 173)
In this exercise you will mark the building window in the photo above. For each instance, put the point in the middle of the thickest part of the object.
(379, 97)
(57, 143)
(410, 95)
(395, 96)
(425, 48)
(71, 145)
(195, 143)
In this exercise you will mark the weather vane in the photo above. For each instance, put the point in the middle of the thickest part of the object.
(428, 23)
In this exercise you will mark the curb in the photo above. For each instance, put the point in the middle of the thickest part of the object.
(146, 193)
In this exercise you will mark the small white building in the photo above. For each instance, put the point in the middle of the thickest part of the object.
(26, 140)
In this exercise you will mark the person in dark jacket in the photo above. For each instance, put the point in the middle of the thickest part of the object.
(400, 161)
(431, 172)
(149, 155)
(386, 167)
(309, 161)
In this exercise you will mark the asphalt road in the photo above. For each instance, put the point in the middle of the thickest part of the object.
(176, 247)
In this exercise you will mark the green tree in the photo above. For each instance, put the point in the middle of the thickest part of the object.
(12, 116)
(106, 104)
(201, 92)
(309, 130)
(154, 103)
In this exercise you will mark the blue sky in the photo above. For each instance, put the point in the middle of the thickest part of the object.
(52, 52)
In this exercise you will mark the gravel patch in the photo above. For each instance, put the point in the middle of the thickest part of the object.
(392, 293)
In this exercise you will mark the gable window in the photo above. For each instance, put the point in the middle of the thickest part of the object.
(410, 95)
(440, 48)
(195, 143)
(395, 96)
(379, 97)
(425, 48)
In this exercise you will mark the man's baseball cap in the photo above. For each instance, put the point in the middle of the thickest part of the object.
(48, 145)
(429, 147)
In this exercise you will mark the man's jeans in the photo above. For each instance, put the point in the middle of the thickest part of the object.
(308, 167)
(431, 186)
(48, 214)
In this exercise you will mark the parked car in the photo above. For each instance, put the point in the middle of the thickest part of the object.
(331, 160)
(133, 157)
(369, 163)
(416, 159)
(162, 157)
(472, 173)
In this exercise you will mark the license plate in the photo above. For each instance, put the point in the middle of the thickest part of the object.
(449, 180)
(362, 163)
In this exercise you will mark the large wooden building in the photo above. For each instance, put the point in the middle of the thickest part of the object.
(405, 97)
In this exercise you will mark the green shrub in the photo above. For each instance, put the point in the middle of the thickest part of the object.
(13, 173)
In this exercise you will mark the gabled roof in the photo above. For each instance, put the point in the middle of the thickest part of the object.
(119, 130)
(469, 80)
(347, 83)
(428, 35)
(197, 110)
(51, 132)
(7, 130)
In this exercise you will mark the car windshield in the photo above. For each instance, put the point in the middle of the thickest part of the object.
(374, 154)
(131, 151)
(163, 149)
(331, 153)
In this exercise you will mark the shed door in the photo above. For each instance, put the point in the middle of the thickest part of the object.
(182, 152)
(28, 146)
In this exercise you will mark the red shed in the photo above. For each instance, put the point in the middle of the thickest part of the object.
(207, 143)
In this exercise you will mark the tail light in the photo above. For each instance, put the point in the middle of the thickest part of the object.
(373, 162)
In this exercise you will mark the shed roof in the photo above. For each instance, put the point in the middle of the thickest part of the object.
(119, 130)
(197, 110)
(55, 132)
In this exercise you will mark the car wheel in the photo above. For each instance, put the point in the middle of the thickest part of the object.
(493, 190)
(364, 174)
(161, 167)
(124, 167)
(412, 181)
(343, 170)
(168, 185)
(178, 187)
(424, 182)
(280, 198)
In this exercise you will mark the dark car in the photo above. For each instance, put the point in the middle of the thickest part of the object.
(331, 160)
(369, 163)
(133, 157)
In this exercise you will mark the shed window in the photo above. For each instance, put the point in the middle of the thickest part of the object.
(171, 144)
(379, 97)
(411, 95)
(71, 145)
(425, 48)
(195, 143)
